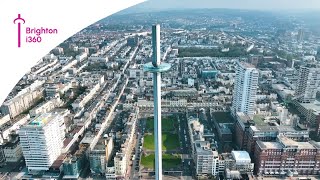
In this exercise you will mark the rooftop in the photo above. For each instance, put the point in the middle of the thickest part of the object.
(243, 117)
(300, 145)
(45, 118)
(258, 120)
(315, 106)
(269, 145)
(203, 148)
(241, 155)
(42, 119)
(246, 65)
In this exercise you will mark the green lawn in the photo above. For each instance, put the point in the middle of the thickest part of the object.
(169, 141)
(223, 117)
(168, 161)
(168, 124)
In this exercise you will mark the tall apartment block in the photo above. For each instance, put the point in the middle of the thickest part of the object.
(42, 141)
(308, 82)
(245, 88)
(300, 35)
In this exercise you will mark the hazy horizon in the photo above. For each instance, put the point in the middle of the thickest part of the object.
(156, 5)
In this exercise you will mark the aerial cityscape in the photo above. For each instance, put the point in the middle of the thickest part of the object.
(171, 94)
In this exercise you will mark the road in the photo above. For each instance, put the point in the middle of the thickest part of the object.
(185, 145)
(136, 163)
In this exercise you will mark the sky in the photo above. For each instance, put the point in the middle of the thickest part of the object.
(152, 5)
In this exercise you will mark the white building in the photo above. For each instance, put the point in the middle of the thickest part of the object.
(308, 82)
(236, 161)
(242, 161)
(245, 88)
(42, 140)
(22, 101)
(82, 56)
(5, 132)
(120, 164)
(190, 82)
(45, 107)
(97, 58)
(109, 148)
(206, 159)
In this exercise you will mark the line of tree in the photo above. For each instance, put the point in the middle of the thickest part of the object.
(234, 51)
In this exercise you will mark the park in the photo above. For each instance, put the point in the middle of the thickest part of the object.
(170, 143)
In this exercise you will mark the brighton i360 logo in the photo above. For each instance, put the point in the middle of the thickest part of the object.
(32, 35)
(18, 21)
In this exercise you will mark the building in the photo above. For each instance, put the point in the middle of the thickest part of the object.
(236, 161)
(12, 149)
(270, 133)
(42, 140)
(286, 157)
(308, 82)
(120, 165)
(45, 106)
(245, 88)
(109, 147)
(206, 159)
(58, 50)
(11, 127)
(242, 125)
(22, 101)
(97, 158)
(2, 157)
(250, 130)
(73, 165)
(122, 158)
(53, 89)
(254, 59)
(310, 111)
(209, 73)
(95, 58)
(300, 35)
(133, 41)
(224, 132)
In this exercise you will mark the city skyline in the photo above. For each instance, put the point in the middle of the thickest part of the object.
(240, 99)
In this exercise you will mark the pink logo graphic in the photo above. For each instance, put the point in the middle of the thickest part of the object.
(19, 20)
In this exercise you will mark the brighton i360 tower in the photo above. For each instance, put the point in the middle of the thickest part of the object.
(156, 67)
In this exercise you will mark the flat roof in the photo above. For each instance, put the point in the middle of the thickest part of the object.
(315, 106)
(244, 117)
(246, 65)
(269, 145)
(42, 119)
(241, 155)
(300, 145)
(45, 118)
(202, 148)
(258, 120)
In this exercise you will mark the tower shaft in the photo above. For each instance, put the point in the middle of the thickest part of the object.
(157, 125)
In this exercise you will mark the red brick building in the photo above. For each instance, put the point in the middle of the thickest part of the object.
(287, 157)
(241, 128)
